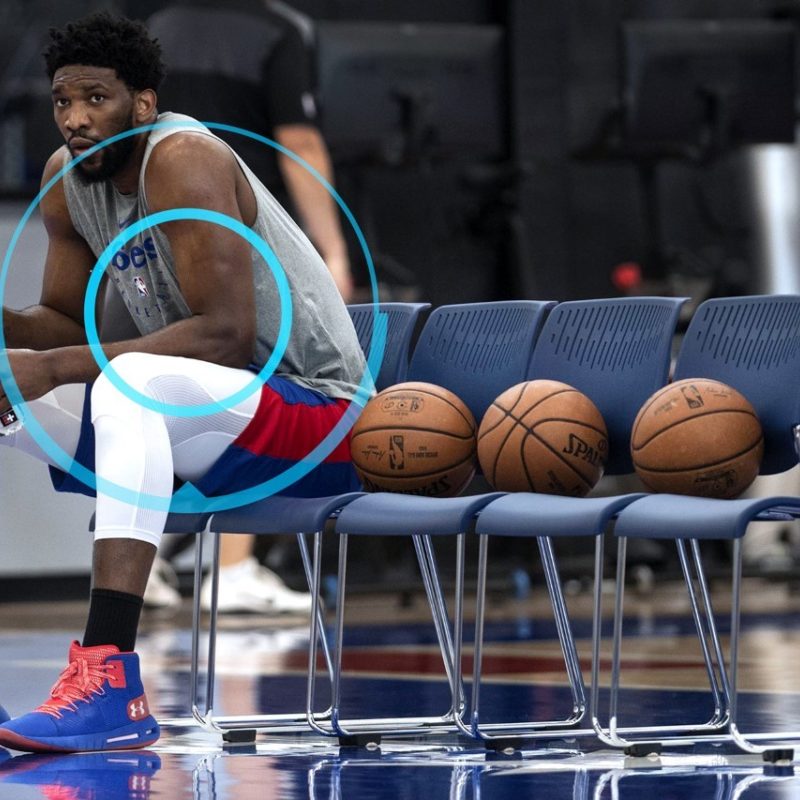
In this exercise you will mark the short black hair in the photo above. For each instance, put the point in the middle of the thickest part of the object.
(104, 40)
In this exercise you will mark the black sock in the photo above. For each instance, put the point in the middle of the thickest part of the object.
(113, 619)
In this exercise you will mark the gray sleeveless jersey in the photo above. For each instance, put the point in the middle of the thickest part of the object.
(323, 352)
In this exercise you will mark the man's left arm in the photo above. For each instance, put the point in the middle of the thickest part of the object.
(212, 263)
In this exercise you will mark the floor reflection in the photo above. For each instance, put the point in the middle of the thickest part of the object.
(392, 669)
(308, 770)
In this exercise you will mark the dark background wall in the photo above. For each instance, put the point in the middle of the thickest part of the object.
(551, 217)
(573, 210)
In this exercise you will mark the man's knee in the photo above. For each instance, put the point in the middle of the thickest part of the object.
(133, 371)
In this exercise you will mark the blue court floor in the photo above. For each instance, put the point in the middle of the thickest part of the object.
(392, 667)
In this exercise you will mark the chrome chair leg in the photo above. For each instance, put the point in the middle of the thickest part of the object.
(774, 745)
(202, 710)
(308, 572)
(565, 637)
(716, 728)
(527, 730)
(202, 707)
(480, 618)
(433, 590)
(377, 726)
(457, 679)
(717, 677)
(597, 622)
(316, 627)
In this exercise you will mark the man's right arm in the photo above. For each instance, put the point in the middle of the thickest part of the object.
(57, 320)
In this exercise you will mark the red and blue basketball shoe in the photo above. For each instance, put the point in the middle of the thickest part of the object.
(98, 703)
(4, 715)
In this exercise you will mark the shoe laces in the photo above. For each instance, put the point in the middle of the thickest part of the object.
(77, 683)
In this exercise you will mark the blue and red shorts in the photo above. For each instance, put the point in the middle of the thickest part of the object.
(290, 421)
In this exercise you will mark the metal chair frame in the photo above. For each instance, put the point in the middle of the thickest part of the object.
(203, 702)
(376, 726)
(509, 731)
(464, 348)
(594, 346)
(703, 617)
(752, 344)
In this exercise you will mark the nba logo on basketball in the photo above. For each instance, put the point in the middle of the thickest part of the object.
(141, 286)
(396, 452)
(692, 396)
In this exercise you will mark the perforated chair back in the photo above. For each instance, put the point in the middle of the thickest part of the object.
(477, 350)
(402, 319)
(615, 351)
(753, 345)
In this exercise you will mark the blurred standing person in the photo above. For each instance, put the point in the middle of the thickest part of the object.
(247, 63)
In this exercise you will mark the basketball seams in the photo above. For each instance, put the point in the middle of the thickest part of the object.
(514, 420)
(499, 450)
(559, 456)
(706, 465)
(506, 411)
(710, 412)
(486, 431)
(524, 462)
(518, 420)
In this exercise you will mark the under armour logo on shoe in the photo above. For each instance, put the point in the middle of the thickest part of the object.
(138, 708)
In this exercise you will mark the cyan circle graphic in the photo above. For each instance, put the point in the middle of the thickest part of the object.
(284, 292)
(188, 499)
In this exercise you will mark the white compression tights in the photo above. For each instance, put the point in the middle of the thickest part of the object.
(138, 448)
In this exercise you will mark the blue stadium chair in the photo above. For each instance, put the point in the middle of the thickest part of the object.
(300, 516)
(617, 352)
(753, 345)
(400, 323)
(475, 350)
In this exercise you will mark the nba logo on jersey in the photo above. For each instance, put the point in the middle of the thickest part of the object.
(141, 286)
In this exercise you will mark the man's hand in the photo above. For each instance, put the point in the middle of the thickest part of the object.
(31, 373)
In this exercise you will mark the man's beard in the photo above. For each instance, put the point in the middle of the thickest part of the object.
(112, 158)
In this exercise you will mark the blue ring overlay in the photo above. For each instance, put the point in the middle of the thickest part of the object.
(188, 499)
(266, 253)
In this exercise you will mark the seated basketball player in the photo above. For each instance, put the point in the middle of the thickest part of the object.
(208, 312)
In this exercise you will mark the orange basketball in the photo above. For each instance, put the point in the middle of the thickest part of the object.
(415, 438)
(543, 436)
(697, 436)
